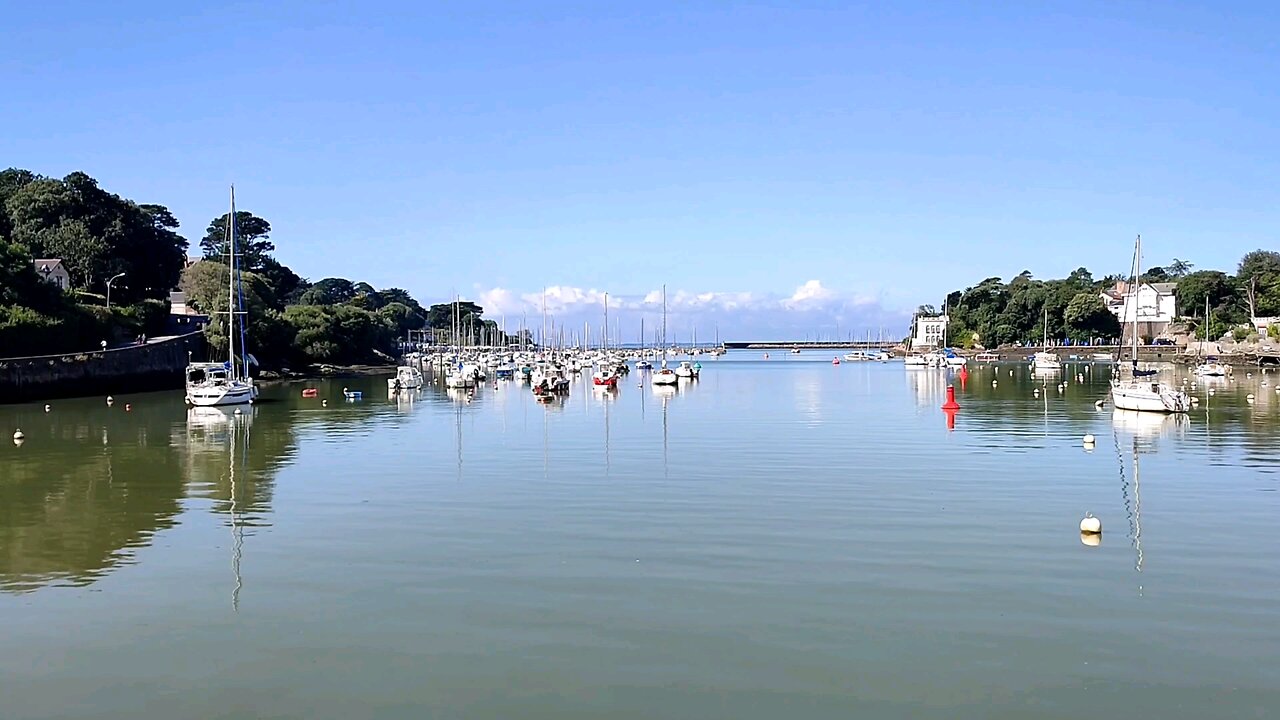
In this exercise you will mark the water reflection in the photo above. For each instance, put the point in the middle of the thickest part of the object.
(225, 432)
(70, 516)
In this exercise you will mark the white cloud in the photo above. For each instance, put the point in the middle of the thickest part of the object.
(811, 310)
(810, 292)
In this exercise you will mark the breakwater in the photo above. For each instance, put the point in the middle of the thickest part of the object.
(158, 365)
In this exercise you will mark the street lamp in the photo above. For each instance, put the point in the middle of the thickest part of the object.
(117, 277)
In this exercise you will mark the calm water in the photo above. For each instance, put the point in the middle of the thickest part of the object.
(780, 539)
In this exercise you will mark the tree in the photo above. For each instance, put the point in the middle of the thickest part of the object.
(1155, 274)
(1081, 278)
(252, 239)
(1215, 285)
(401, 318)
(1179, 268)
(96, 234)
(329, 291)
(1086, 316)
(440, 316)
(1259, 277)
(286, 286)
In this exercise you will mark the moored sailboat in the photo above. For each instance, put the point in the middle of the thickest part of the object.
(1142, 390)
(229, 383)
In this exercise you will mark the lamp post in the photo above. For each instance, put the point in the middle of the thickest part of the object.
(117, 277)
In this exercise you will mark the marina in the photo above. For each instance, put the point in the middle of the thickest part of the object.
(776, 534)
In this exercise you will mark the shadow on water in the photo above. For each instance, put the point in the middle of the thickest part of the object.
(95, 483)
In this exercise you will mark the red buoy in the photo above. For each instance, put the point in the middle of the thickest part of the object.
(951, 403)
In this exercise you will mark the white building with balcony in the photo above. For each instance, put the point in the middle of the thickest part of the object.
(1154, 305)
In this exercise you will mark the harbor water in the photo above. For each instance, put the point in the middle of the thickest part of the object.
(781, 538)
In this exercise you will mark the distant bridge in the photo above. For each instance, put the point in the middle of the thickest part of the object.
(810, 345)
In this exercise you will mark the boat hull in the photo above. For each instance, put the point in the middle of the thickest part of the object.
(1148, 397)
(223, 395)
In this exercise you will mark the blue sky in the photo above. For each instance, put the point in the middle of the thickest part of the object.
(737, 153)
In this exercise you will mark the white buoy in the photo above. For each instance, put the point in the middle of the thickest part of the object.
(47, 408)
(1098, 404)
(237, 412)
(110, 400)
(18, 436)
(1088, 439)
(1248, 375)
(1212, 391)
(1010, 373)
(995, 383)
(324, 403)
(1195, 400)
(1090, 539)
(1090, 524)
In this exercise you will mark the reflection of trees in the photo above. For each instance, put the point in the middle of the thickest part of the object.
(83, 493)
(73, 514)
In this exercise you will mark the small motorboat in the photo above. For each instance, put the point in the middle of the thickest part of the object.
(310, 392)
(352, 394)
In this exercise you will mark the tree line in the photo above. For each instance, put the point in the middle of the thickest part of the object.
(994, 312)
(98, 235)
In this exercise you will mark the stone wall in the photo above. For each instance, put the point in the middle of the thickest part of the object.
(154, 366)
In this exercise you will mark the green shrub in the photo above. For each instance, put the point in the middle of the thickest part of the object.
(1240, 334)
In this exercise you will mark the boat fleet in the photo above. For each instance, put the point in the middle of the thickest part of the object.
(550, 373)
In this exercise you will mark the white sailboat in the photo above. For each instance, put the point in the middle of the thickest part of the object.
(1209, 366)
(665, 375)
(1141, 390)
(1045, 362)
(213, 384)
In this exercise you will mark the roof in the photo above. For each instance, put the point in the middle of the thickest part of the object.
(1121, 289)
(49, 263)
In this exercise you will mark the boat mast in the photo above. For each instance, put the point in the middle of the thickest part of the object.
(231, 284)
(606, 322)
(1137, 277)
(664, 326)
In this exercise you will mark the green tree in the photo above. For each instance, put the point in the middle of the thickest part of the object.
(96, 234)
(1180, 268)
(1215, 285)
(1155, 274)
(440, 316)
(329, 291)
(286, 286)
(252, 239)
(1259, 279)
(401, 318)
(1086, 316)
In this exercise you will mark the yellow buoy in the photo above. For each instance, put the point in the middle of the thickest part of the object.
(1090, 524)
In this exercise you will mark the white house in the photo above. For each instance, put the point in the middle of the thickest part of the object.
(1153, 304)
(929, 331)
(52, 271)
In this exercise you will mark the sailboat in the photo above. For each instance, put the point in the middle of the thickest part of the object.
(1141, 390)
(215, 384)
(1044, 361)
(1209, 367)
(665, 376)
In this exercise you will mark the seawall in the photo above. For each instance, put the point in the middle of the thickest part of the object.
(154, 366)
